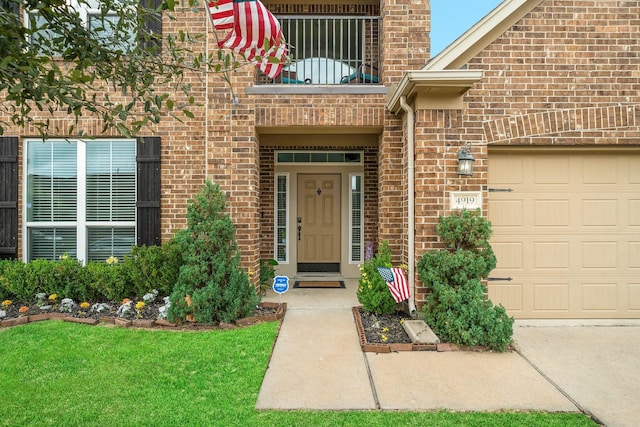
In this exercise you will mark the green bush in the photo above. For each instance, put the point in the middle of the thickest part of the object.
(24, 280)
(373, 292)
(465, 230)
(267, 274)
(147, 268)
(211, 287)
(454, 268)
(13, 283)
(108, 282)
(154, 267)
(456, 307)
(11, 278)
(68, 279)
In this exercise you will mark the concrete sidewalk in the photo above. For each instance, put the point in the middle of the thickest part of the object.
(317, 363)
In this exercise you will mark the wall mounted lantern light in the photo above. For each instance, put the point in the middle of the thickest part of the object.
(465, 161)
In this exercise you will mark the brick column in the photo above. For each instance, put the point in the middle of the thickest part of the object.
(405, 47)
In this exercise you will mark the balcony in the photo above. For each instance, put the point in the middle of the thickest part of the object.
(329, 50)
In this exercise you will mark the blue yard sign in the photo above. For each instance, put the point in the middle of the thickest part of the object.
(280, 284)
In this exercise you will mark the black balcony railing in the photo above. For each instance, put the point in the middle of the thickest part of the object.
(329, 50)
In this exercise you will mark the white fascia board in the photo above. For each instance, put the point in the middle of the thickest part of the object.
(482, 34)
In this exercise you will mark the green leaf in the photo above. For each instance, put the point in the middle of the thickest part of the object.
(123, 130)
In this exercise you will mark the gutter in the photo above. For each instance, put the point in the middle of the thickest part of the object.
(411, 199)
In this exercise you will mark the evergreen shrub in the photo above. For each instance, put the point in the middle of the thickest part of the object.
(373, 292)
(457, 308)
(211, 286)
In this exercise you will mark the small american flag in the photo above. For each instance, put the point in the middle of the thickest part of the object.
(221, 12)
(397, 282)
(256, 35)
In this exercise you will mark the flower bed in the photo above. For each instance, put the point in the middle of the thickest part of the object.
(393, 344)
(127, 314)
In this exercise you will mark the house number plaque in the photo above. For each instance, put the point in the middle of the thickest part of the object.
(469, 200)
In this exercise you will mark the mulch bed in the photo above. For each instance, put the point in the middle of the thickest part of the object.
(371, 329)
(384, 333)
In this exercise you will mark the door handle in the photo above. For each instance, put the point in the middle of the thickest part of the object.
(299, 230)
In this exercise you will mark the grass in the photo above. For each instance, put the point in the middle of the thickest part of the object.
(63, 374)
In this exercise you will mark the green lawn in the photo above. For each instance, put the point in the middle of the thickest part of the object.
(62, 374)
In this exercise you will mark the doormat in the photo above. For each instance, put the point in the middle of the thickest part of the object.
(318, 284)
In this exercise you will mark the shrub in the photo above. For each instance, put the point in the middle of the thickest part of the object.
(454, 268)
(154, 267)
(373, 292)
(456, 307)
(267, 274)
(465, 230)
(211, 287)
(11, 278)
(68, 279)
(109, 282)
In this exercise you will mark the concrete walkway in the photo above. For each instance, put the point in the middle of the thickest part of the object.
(317, 364)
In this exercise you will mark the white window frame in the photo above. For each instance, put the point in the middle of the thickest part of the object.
(84, 11)
(351, 207)
(276, 225)
(81, 224)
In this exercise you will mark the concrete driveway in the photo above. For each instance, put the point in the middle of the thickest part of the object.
(596, 364)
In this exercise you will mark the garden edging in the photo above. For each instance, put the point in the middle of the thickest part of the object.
(280, 310)
(368, 347)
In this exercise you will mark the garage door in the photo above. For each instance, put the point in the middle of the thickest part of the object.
(566, 232)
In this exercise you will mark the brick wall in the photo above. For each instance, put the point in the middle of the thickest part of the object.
(566, 74)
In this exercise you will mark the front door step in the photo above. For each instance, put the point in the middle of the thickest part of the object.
(420, 332)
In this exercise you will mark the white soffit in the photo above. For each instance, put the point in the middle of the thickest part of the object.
(483, 33)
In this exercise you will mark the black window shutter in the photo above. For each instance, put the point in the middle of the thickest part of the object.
(148, 191)
(8, 197)
(153, 25)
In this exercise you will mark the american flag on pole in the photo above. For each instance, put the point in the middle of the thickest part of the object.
(255, 33)
(397, 282)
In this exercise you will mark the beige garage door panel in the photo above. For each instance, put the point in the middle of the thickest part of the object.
(568, 234)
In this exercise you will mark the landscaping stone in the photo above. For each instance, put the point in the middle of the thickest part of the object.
(125, 323)
(143, 323)
(420, 332)
(164, 322)
(82, 320)
(39, 317)
(14, 322)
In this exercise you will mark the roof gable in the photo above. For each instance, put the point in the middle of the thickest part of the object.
(483, 33)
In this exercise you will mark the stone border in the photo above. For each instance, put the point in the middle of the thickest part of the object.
(150, 323)
(368, 347)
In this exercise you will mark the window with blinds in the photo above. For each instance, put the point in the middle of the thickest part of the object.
(81, 198)
(281, 213)
(355, 218)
